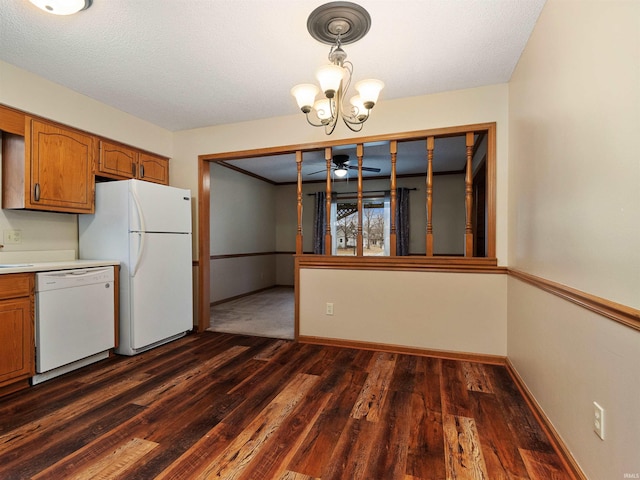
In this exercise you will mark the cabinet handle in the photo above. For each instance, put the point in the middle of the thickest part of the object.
(141, 171)
(36, 192)
(133, 169)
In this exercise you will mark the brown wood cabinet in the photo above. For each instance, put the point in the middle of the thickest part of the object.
(50, 168)
(120, 162)
(153, 169)
(11, 120)
(116, 161)
(17, 355)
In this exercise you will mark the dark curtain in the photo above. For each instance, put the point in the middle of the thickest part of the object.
(319, 223)
(402, 221)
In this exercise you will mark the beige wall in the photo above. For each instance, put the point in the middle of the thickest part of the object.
(25, 91)
(461, 312)
(479, 105)
(574, 218)
(242, 220)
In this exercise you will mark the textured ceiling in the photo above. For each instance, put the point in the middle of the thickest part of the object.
(184, 64)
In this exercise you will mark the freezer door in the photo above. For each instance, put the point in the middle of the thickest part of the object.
(159, 208)
(160, 282)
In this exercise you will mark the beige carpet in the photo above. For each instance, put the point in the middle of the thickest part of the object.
(269, 313)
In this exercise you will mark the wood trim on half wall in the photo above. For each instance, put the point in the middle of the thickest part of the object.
(620, 313)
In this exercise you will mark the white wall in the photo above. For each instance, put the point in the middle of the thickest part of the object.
(574, 218)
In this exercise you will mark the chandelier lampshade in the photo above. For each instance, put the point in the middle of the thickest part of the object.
(330, 79)
(305, 95)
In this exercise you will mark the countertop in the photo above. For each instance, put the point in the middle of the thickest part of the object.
(22, 261)
(23, 267)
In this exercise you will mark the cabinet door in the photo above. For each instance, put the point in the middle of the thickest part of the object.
(117, 161)
(154, 169)
(61, 169)
(16, 338)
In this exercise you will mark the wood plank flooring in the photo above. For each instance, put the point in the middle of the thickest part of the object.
(227, 406)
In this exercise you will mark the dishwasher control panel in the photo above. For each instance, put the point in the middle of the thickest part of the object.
(73, 278)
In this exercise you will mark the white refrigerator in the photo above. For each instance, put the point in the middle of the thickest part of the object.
(147, 227)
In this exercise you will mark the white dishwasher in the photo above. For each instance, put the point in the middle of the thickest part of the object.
(74, 319)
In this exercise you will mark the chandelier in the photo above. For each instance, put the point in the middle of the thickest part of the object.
(335, 24)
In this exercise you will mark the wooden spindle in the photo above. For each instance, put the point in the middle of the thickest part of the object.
(359, 154)
(299, 193)
(327, 228)
(429, 240)
(468, 198)
(393, 150)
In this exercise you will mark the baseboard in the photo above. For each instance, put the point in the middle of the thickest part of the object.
(556, 441)
(423, 352)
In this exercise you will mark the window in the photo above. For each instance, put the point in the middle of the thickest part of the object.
(375, 226)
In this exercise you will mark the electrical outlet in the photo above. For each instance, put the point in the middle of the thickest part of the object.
(598, 420)
(329, 310)
(12, 237)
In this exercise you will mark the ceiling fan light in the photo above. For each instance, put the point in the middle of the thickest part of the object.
(305, 95)
(369, 91)
(340, 172)
(62, 7)
(330, 78)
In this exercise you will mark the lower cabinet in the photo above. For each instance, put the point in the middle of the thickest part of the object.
(17, 355)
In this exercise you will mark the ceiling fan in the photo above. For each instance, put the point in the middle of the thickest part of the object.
(341, 166)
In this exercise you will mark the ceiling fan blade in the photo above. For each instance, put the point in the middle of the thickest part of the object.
(365, 169)
(319, 171)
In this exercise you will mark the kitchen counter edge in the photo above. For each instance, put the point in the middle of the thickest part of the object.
(55, 266)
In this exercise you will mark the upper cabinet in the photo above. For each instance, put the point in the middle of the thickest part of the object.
(154, 169)
(51, 169)
(11, 120)
(120, 162)
(116, 161)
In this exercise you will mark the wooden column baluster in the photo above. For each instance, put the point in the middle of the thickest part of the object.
(359, 154)
(468, 198)
(393, 149)
(299, 193)
(429, 243)
(327, 228)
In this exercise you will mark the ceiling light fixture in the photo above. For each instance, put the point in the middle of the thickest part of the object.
(335, 24)
(62, 7)
(340, 172)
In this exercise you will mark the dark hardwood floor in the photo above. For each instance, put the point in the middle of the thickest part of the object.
(235, 407)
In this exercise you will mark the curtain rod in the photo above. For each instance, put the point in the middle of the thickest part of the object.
(352, 193)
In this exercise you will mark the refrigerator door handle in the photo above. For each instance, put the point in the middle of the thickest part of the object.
(136, 204)
(142, 228)
(139, 254)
